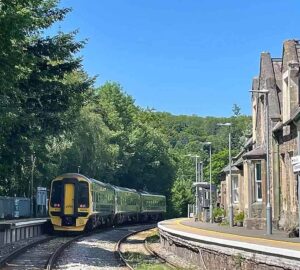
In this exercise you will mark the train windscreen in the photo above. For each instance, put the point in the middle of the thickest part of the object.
(56, 194)
(83, 195)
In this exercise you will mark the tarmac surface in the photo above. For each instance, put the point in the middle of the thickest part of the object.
(276, 234)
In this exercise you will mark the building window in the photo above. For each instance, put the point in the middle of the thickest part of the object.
(235, 188)
(258, 184)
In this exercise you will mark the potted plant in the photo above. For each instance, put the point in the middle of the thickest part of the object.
(218, 214)
(239, 219)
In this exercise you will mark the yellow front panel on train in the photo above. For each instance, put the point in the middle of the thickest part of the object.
(69, 199)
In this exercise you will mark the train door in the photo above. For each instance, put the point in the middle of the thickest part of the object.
(69, 199)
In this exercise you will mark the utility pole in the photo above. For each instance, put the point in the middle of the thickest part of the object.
(298, 144)
(230, 178)
(210, 188)
(196, 173)
(33, 159)
(267, 142)
(210, 184)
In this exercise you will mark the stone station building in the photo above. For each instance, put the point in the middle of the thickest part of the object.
(281, 77)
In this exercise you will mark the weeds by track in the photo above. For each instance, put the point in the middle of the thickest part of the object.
(145, 258)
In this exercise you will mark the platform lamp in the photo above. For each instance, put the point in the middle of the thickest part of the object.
(196, 171)
(210, 184)
(230, 178)
(265, 92)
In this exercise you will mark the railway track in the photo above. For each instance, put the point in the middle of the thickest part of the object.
(135, 252)
(37, 255)
(96, 250)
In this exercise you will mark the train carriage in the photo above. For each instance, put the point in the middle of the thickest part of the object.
(80, 203)
(103, 199)
(127, 206)
(153, 206)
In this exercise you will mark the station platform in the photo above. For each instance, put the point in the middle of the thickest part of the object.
(21, 222)
(18, 229)
(278, 244)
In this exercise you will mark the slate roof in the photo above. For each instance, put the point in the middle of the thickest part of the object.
(233, 169)
(258, 152)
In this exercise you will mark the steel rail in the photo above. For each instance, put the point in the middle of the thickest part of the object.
(118, 245)
(6, 259)
(54, 256)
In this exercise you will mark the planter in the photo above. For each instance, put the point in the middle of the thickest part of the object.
(239, 223)
(218, 219)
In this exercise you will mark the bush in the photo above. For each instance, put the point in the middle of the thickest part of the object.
(218, 214)
(239, 217)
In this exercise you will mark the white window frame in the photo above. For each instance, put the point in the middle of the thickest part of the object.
(235, 188)
(257, 182)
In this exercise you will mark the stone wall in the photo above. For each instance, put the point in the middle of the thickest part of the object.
(211, 256)
(288, 180)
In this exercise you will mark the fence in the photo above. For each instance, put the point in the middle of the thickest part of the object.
(191, 210)
(14, 207)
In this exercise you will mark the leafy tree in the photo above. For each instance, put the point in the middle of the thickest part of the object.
(219, 161)
(236, 110)
(182, 195)
(40, 100)
(151, 166)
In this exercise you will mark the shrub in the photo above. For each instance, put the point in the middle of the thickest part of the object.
(218, 214)
(239, 217)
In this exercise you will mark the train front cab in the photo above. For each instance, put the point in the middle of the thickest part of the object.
(70, 204)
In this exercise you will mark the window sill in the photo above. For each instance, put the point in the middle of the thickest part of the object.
(257, 203)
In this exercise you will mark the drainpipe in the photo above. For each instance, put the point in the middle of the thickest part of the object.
(298, 176)
(297, 123)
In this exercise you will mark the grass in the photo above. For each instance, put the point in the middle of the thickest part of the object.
(152, 267)
(153, 238)
(135, 256)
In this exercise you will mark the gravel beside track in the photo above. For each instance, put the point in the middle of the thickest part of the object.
(96, 251)
(37, 256)
(9, 248)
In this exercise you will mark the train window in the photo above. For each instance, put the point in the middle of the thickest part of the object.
(83, 195)
(56, 194)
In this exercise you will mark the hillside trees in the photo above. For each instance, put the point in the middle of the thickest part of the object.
(38, 98)
(113, 144)
(54, 120)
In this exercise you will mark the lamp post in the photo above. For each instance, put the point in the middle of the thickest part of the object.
(265, 92)
(33, 159)
(210, 184)
(230, 178)
(196, 171)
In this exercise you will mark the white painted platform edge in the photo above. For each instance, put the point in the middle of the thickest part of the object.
(31, 222)
(235, 244)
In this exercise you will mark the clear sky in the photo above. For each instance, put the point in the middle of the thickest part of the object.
(182, 56)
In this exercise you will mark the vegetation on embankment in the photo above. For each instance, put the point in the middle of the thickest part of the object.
(53, 118)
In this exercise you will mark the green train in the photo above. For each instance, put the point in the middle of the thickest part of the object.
(79, 203)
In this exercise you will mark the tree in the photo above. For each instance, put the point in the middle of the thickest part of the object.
(182, 195)
(38, 99)
(236, 110)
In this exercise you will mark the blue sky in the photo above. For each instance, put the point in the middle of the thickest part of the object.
(182, 56)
